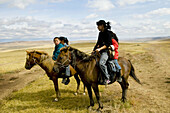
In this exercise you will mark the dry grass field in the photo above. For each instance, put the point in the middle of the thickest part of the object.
(31, 91)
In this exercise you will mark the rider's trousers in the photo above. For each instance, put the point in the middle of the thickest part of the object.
(102, 63)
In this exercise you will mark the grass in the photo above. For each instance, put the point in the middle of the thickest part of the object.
(15, 60)
(37, 96)
(133, 48)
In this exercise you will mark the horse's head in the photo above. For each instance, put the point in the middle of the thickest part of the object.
(34, 57)
(70, 55)
(64, 57)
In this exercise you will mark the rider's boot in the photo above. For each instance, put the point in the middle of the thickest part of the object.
(67, 81)
(64, 80)
(119, 78)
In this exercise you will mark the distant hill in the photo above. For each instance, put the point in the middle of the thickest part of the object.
(149, 39)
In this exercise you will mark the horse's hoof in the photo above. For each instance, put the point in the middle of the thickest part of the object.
(84, 93)
(98, 110)
(75, 94)
(123, 100)
(55, 100)
(89, 108)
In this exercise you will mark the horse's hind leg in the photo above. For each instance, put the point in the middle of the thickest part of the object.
(96, 91)
(124, 85)
(90, 96)
(78, 83)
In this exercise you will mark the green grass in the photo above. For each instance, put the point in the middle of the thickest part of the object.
(132, 48)
(15, 60)
(38, 96)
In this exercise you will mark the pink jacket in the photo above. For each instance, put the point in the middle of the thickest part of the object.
(115, 44)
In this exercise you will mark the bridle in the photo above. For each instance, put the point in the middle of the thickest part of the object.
(34, 60)
(63, 63)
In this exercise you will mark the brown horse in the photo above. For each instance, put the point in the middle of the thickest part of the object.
(89, 72)
(46, 62)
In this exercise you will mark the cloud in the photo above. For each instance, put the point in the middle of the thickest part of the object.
(22, 4)
(130, 2)
(100, 5)
(18, 3)
(91, 16)
(55, 1)
(157, 12)
(29, 28)
(167, 25)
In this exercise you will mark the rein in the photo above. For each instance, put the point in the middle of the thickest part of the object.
(34, 59)
(63, 64)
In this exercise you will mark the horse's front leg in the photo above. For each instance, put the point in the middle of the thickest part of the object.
(84, 90)
(78, 83)
(96, 91)
(55, 81)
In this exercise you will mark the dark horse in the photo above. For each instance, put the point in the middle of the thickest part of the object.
(89, 72)
(46, 63)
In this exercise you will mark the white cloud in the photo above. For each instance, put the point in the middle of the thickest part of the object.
(55, 1)
(91, 16)
(101, 5)
(157, 12)
(167, 25)
(32, 28)
(22, 4)
(130, 2)
(18, 3)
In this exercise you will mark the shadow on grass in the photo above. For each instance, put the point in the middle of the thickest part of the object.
(168, 80)
(44, 99)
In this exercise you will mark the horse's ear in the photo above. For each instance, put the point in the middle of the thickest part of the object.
(70, 48)
(27, 52)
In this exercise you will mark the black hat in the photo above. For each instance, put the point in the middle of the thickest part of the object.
(101, 22)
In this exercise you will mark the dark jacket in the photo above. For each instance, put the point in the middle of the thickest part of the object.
(113, 35)
(57, 50)
(104, 38)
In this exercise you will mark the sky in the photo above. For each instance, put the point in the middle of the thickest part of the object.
(26, 20)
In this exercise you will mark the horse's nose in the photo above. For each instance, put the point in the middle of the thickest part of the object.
(27, 67)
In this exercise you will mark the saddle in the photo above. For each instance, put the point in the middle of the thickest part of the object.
(112, 70)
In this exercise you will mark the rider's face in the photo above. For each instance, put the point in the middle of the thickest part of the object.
(56, 41)
(100, 27)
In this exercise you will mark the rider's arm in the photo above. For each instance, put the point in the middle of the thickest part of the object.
(97, 45)
(101, 48)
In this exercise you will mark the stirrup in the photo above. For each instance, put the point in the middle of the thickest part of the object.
(119, 79)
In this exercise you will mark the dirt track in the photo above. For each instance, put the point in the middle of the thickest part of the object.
(152, 68)
(14, 81)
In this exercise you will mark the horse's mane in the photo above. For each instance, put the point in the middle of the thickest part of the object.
(39, 52)
(43, 54)
(81, 55)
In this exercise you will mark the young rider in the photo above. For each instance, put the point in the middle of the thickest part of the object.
(114, 47)
(65, 42)
(58, 46)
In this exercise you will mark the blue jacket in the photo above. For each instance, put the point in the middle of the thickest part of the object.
(57, 50)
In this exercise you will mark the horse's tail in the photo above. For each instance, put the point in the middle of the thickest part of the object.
(132, 73)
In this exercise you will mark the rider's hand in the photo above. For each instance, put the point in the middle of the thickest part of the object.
(98, 50)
